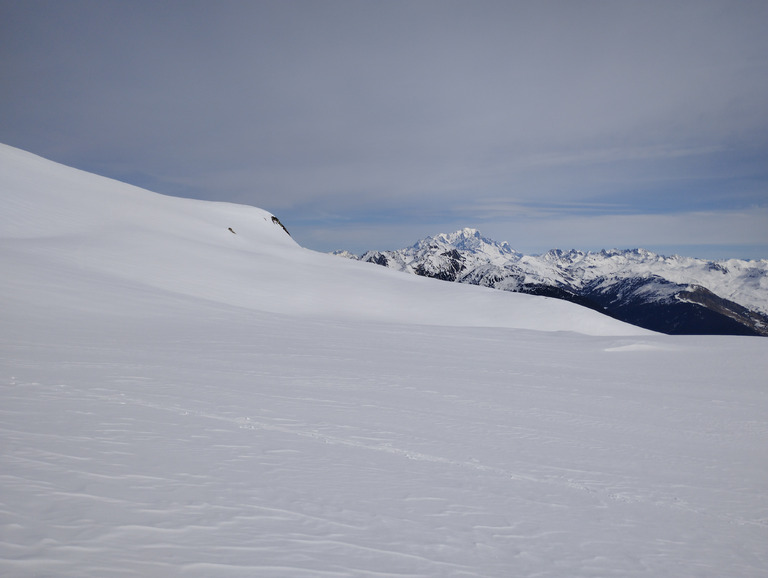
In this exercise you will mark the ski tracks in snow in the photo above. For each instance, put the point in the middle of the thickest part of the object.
(560, 477)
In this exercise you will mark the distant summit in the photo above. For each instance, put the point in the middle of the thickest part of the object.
(470, 240)
(670, 294)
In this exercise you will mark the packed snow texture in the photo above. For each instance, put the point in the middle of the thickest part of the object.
(179, 399)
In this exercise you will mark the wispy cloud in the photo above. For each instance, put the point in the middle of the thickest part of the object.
(612, 155)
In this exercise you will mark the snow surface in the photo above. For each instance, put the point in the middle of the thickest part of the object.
(181, 400)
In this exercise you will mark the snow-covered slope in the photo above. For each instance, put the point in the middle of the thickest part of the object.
(180, 400)
(84, 224)
(671, 294)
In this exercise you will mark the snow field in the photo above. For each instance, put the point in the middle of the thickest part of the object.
(178, 400)
(282, 447)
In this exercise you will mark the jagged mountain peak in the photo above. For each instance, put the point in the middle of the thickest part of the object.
(466, 239)
(636, 254)
(465, 232)
(636, 285)
(558, 256)
(466, 236)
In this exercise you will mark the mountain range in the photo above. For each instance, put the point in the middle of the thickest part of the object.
(669, 294)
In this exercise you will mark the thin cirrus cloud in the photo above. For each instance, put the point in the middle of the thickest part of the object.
(590, 124)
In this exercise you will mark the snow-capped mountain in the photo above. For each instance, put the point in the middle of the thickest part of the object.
(671, 294)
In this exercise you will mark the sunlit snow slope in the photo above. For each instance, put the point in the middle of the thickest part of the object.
(177, 399)
(76, 224)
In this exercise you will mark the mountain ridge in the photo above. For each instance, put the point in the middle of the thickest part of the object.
(671, 294)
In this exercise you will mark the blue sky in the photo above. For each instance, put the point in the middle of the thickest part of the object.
(369, 125)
